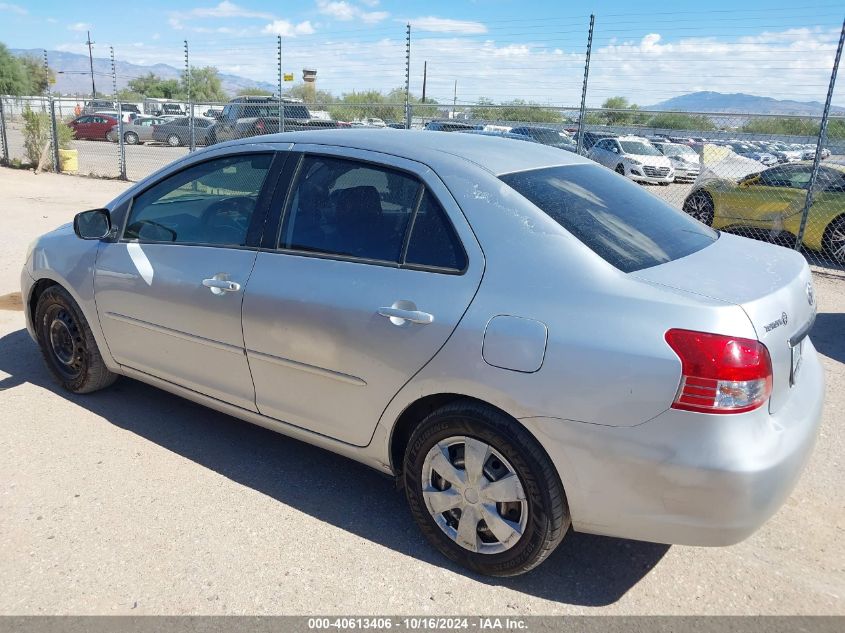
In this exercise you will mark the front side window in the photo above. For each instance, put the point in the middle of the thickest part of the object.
(209, 203)
(349, 208)
(619, 221)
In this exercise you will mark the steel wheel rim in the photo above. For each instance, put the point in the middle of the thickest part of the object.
(837, 244)
(173, 140)
(66, 343)
(474, 495)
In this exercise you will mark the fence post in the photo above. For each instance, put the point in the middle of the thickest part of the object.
(808, 202)
(581, 116)
(281, 107)
(54, 133)
(3, 139)
(121, 149)
(192, 142)
(408, 77)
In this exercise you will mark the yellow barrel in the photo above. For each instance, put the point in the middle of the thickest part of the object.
(68, 160)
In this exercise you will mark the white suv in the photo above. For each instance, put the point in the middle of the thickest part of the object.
(633, 157)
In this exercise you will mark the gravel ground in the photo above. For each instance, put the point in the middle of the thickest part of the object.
(133, 501)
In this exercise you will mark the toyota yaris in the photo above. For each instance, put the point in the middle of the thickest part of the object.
(525, 339)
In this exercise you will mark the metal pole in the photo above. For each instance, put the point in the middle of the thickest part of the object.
(121, 148)
(808, 202)
(425, 77)
(281, 107)
(582, 115)
(3, 139)
(91, 66)
(54, 133)
(454, 98)
(192, 142)
(408, 77)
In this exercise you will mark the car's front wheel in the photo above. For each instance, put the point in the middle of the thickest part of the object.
(173, 141)
(700, 206)
(620, 169)
(483, 491)
(131, 138)
(67, 344)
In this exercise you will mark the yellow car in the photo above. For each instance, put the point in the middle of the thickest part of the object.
(772, 201)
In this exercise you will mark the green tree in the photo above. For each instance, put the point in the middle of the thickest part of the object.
(678, 121)
(151, 85)
(39, 78)
(13, 80)
(302, 91)
(205, 85)
(614, 116)
(516, 110)
(251, 92)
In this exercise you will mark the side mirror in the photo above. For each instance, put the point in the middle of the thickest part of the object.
(92, 225)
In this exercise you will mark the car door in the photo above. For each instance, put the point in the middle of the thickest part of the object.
(82, 126)
(372, 270)
(169, 288)
(766, 200)
(602, 153)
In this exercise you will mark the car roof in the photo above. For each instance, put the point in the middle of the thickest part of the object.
(493, 153)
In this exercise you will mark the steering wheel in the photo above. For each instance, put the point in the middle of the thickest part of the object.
(228, 215)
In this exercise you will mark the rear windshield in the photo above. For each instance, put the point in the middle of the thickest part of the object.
(625, 225)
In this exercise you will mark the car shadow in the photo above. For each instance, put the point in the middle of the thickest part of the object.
(585, 570)
(827, 335)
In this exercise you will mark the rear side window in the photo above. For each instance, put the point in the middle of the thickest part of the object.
(433, 241)
(619, 221)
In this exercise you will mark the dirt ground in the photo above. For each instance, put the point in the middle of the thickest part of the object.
(133, 501)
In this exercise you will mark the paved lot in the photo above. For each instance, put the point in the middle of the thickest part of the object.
(132, 501)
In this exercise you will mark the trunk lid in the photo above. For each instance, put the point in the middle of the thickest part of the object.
(773, 285)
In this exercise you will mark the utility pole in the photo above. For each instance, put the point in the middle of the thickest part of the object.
(425, 73)
(91, 66)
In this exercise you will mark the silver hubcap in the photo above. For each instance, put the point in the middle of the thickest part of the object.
(699, 208)
(474, 495)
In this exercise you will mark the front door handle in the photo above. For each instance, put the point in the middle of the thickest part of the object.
(398, 316)
(218, 284)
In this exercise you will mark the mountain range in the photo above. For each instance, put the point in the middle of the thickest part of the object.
(73, 73)
(707, 101)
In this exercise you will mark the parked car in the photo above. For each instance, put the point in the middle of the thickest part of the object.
(449, 126)
(546, 136)
(243, 117)
(634, 158)
(684, 159)
(810, 153)
(784, 153)
(178, 132)
(92, 126)
(130, 107)
(213, 113)
(524, 339)
(138, 131)
(591, 138)
(511, 135)
(126, 116)
(774, 200)
(748, 151)
(97, 104)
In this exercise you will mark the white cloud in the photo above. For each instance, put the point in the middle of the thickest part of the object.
(79, 26)
(346, 11)
(286, 28)
(226, 9)
(447, 25)
(12, 8)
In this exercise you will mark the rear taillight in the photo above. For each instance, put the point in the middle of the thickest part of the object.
(720, 374)
(259, 125)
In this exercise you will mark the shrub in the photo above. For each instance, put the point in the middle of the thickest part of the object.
(36, 134)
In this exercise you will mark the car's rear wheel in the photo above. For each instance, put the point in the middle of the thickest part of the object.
(173, 141)
(833, 241)
(67, 344)
(483, 491)
(131, 138)
(700, 206)
(620, 169)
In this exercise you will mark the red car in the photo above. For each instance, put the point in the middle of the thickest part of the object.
(93, 126)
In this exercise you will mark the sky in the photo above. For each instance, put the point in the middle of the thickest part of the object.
(498, 49)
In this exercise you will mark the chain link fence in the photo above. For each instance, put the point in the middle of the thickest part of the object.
(779, 178)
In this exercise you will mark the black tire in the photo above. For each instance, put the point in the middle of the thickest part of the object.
(620, 169)
(174, 141)
(131, 138)
(699, 205)
(833, 242)
(67, 344)
(663, 184)
(548, 513)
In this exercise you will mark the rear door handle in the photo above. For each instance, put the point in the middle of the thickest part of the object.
(218, 286)
(398, 316)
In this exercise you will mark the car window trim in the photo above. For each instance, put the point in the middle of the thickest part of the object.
(258, 204)
(294, 173)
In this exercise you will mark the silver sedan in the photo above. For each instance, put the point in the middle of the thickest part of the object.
(529, 342)
(140, 130)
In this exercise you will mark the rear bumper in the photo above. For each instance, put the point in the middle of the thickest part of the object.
(686, 478)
